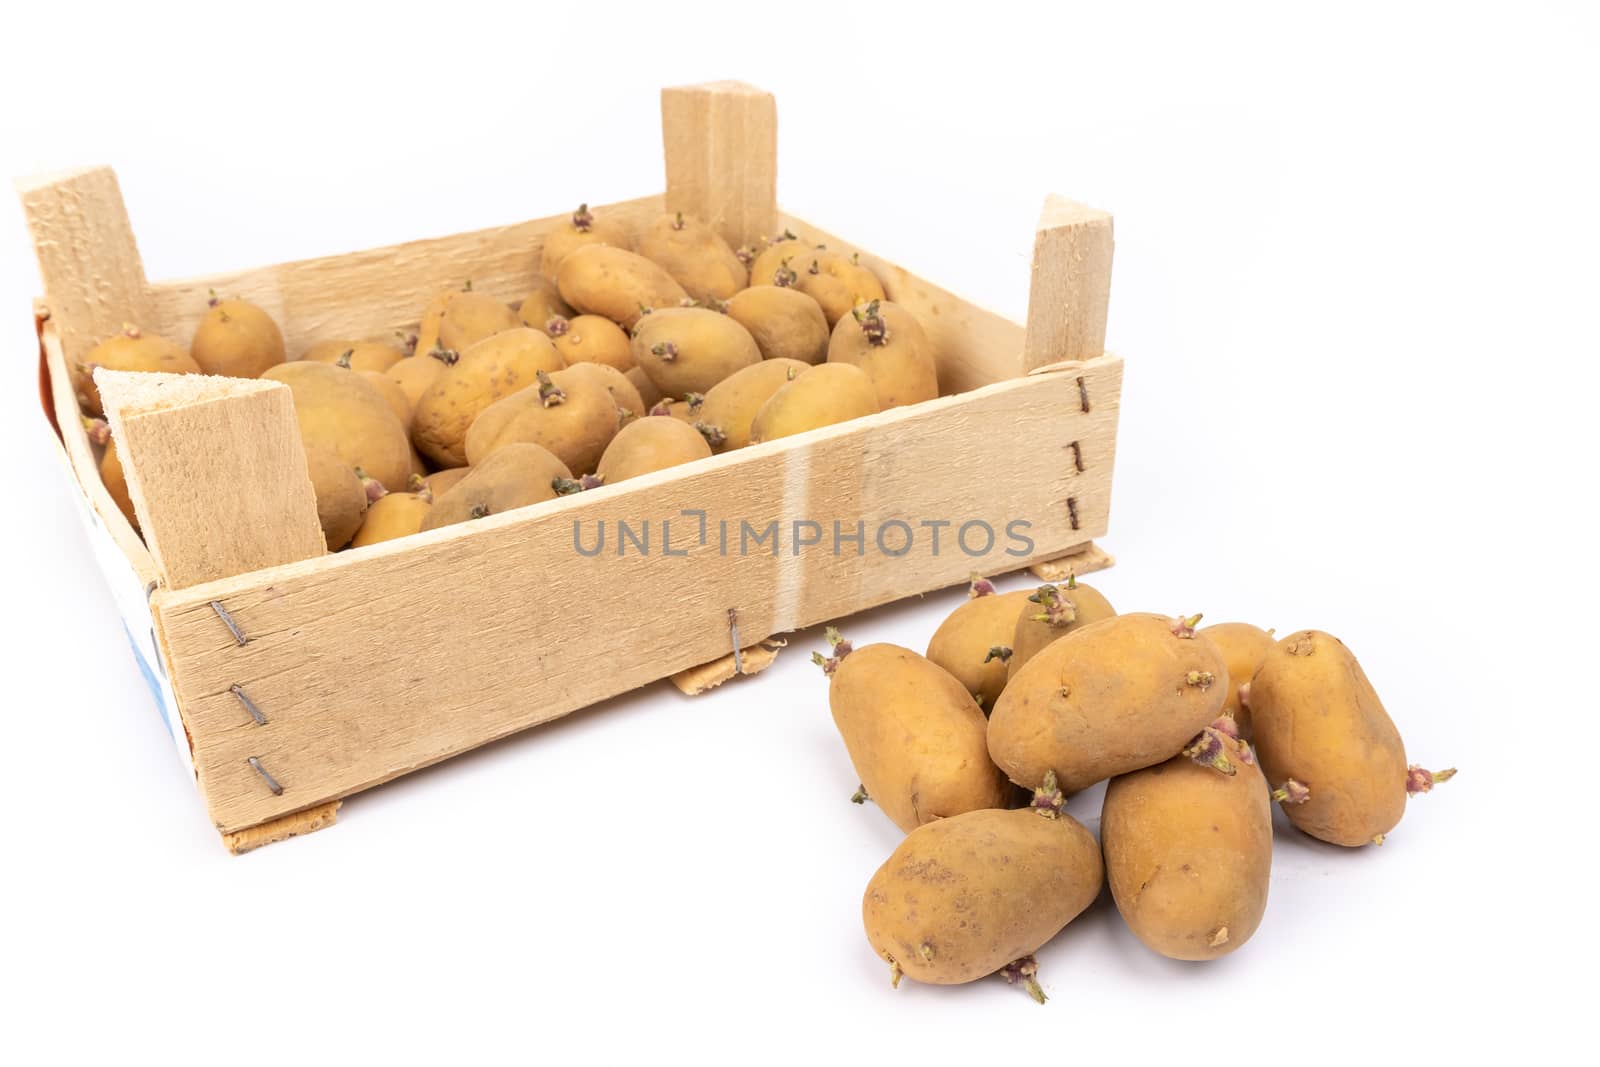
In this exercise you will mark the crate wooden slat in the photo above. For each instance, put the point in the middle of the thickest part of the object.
(504, 622)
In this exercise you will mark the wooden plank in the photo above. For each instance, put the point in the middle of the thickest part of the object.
(93, 277)
(372, 294)
(707, 676)
(1086, 560)
(295, 824)
(720, 142)
(68, 423)
(372, 663)
(1070, 293)
(216, 472)
(976, 346)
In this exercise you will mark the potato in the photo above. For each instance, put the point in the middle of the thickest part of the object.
(630, 404)
(591, 339)
(132, 350)
(915, 737)
(459, 318)
(343, 413)
(786, 323)
(685, 410)
(887, 342)
(731, 405)
(364, 355)
(472, 317)
(394, 515)
(1320, 727)
(649, 395)
(1053, 612)
(236, 339)
(689, 350)
(974, 641)
(647, 445)
(967, 896)
(574, 415)
(822, 396)
(695, 255)
(766, 262)
(440, 482)
(616, 283)
(542, 304)
(415, 373)
(835, 282)
(1244, 647)
(341, 495)
(1116, 696)
(495, 367)
(584, 228)
(393, 395)
(116, 483)
(1188, 854)
(514, 477)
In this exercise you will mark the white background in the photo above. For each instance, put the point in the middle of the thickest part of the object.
(1356, 287)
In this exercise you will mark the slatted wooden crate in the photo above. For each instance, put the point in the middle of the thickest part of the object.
(274, 661)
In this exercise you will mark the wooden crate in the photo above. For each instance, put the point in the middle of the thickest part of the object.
(275, 662)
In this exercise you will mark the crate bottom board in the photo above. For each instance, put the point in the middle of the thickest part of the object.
(692, 682)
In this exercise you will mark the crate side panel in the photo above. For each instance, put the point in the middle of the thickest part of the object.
(976, 346)
(368, 665)
(374, 293)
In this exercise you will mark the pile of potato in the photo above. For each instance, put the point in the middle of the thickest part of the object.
(625, 357)
(1026, 697)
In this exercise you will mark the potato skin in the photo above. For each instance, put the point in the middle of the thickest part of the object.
(616, 283)
(914, 734)
(962, 642)
(647, 445)
(497, 366)
(591, 339)
(393, 395)
(237, 339)
(732, 403)
(689, 350)
(1188, 853)
(898, 357)
(341, 411)
(822, 396)
(1111, 698)
(620, 386)
(341, 498)
(786, 323)
(459, 318)
(116, 483)
(576, 426)
(695, 255)
(132, 350)
(584, 228)
(1317, 719)
(440, 482)
(834, 282)
(542, 304)
(1032, 634)
(964, 896)
(1244, 647)
(415, 373)
(392, 515)
(514, 477)
(764, 268)
(364, 355)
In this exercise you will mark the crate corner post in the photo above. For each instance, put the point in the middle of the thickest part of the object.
(219, 481)
(1069, 292)
(94, 280)
(720, 144)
